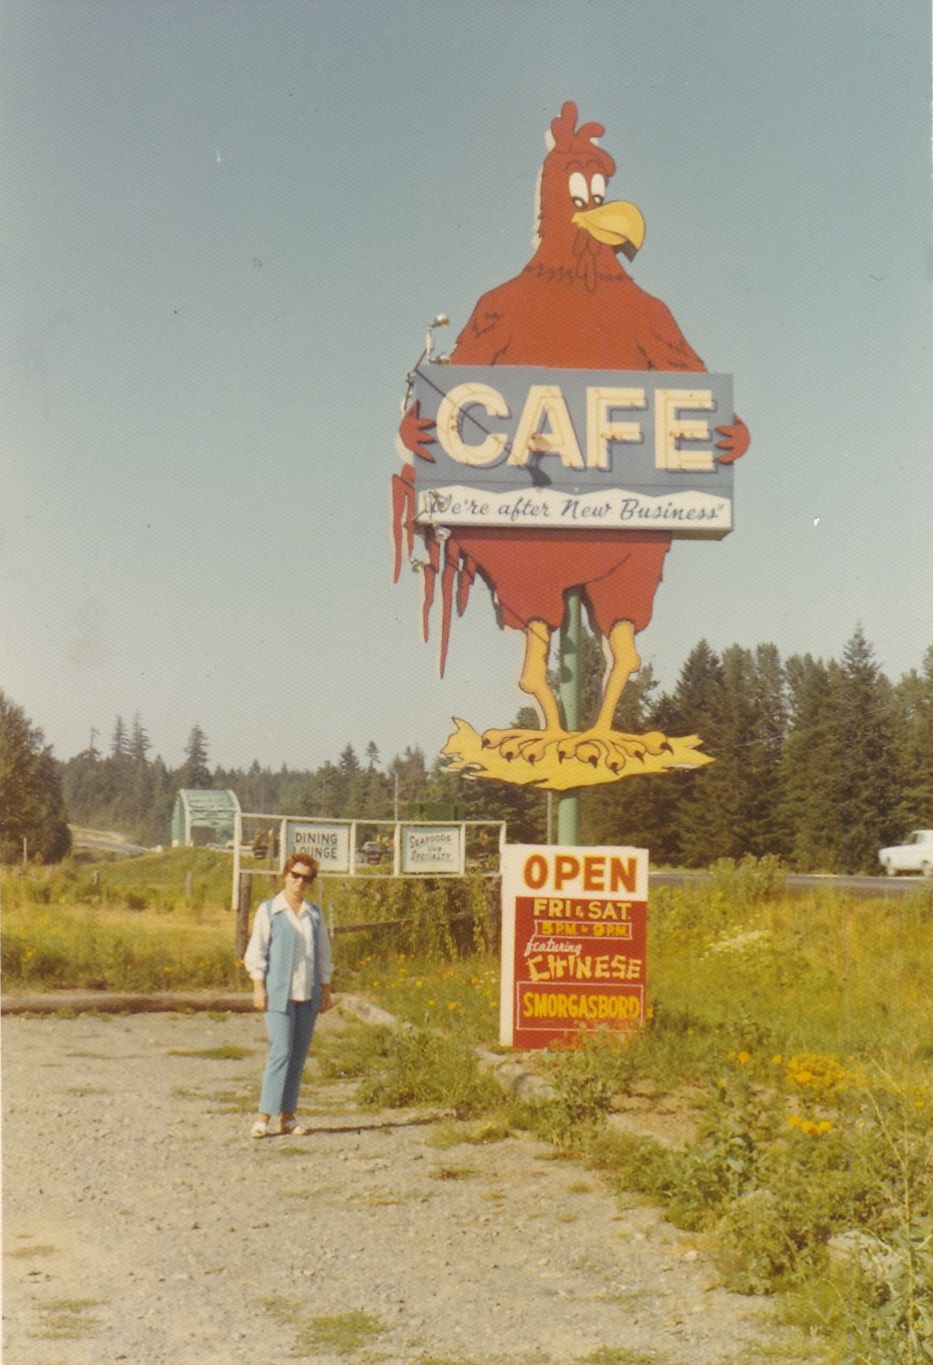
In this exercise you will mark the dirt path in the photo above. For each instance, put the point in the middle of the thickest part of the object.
(142, 1224)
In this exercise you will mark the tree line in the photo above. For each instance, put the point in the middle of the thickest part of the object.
(819, 763)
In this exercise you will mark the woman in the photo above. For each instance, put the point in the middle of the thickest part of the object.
(290, 962)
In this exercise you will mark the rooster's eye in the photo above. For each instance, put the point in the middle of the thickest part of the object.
(579, 190)
(598, 188)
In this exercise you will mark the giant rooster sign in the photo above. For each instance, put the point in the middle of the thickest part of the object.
(574, 435)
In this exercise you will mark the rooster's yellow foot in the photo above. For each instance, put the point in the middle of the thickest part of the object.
(533, 750)
(586, 748)
(612, 747)
(527, 744)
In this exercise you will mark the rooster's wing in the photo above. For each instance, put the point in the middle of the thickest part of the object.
(486, 338)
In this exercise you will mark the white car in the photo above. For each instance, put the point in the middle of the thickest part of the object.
(915, 854)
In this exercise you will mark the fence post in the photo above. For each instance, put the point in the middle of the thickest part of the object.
(492, 911)
(244, 896)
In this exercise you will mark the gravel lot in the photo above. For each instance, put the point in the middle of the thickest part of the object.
(142, 1224)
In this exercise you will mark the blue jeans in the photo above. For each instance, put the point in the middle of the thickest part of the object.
(289, 1040)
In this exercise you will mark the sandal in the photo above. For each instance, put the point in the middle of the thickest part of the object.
(259, 1129)
(292, 1128)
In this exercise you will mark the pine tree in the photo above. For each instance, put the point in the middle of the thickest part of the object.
(327, 789)
(79, 778)
(372, 795)
(767, 832)
(412, 773)
(33, 819)
(811, 764)
(119, 745)
(741, 788)
(626, 812)
(912, 731)
(254, 788)
(116, 781)
(694, 833)
(867, 789)
(156, 827)
(345, 793)
(348, 763)
(194, 773)
(139, 744)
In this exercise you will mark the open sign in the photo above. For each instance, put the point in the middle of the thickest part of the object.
(574, 942)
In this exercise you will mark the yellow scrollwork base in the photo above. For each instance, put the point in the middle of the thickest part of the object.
(564, 761)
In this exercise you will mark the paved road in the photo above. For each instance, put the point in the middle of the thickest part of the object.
(888, 888)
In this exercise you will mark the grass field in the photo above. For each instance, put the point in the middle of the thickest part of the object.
(151, 923)
(795, 1033)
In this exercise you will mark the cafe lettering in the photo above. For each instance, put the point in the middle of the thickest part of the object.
(516, 446)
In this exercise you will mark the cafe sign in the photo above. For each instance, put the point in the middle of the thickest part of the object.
(517, 446)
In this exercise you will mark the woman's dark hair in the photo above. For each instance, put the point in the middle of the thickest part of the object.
(303, 859)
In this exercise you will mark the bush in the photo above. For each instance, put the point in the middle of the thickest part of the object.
(418, 1067)
(442, 917)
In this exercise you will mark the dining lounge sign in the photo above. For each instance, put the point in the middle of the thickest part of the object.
(516, 446)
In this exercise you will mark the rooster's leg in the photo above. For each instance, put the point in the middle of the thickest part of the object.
(533, 680)
(623, 662)
(602, 741)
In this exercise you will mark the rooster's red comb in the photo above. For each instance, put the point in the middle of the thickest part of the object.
(566, 138)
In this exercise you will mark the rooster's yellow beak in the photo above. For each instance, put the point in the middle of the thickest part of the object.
(617, 223)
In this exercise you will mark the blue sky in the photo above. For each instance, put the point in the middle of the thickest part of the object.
(225, 225)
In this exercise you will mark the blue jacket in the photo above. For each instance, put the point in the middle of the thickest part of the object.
(271, 951)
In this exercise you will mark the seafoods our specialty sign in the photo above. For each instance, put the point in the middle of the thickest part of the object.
(574, 940)
(426, 848)
(517, 446)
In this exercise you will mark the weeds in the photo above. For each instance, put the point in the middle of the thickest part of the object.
(446, 917)
(339, 1333)
(226, 1053)
(96, 949)
(450, 995)
(581, 1096)
(421, 1068)
(477, 1133)
(157, 882)
(618, 1355)
(772, 1020)
(68, 1320)
(27, 1253)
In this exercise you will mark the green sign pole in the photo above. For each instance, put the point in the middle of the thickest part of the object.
(568, 807)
